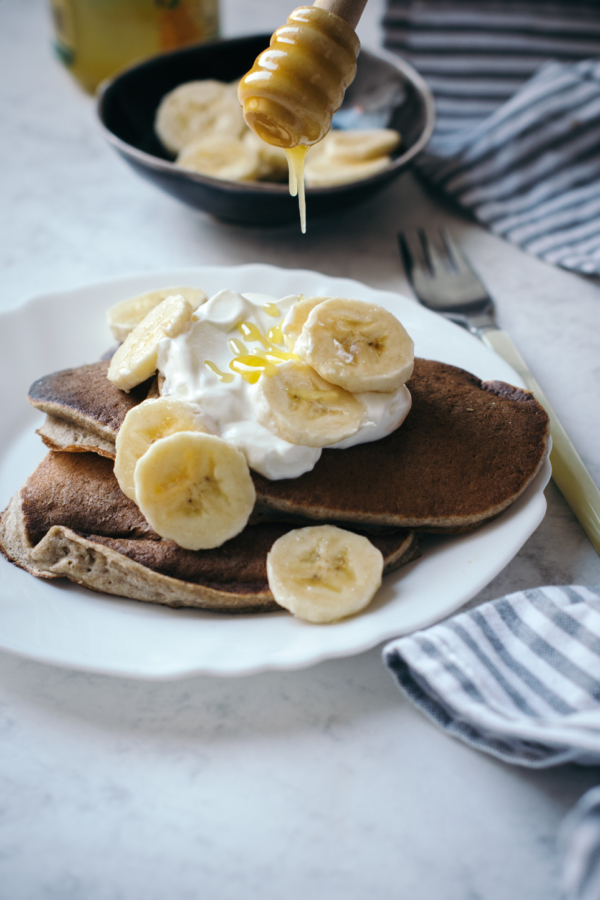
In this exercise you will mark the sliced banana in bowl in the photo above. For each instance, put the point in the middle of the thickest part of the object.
(296, 404)
(360, 145)
(221, 157)
(356, 345)
(194, 489)
(202, 123)
(273, 161)
(323, 573)
(195, 108)
(325, 172)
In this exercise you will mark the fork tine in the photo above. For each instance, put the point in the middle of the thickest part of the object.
(436, 253)
(406, 255)
(442, 278)
(414, 260)
(455, 254)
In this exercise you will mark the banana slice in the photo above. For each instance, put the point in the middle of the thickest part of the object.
(197, 108)
(147, 423)
(323, 171)
(323, 573)
(220, 157)
(273, 161)
(294, 321)
(296, 404)
(124, 316)
(358, 346)
(194, 489)
(361, 145)
(229, 119)
(136, 358)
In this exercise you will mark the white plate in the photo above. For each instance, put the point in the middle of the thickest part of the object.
(63, 624)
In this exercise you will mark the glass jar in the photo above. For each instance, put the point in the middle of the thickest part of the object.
(96, 38)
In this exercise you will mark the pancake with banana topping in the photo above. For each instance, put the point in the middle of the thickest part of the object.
(466, 451)
(317, 415)
(72, 520)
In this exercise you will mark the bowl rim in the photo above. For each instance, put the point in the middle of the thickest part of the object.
(148, 160)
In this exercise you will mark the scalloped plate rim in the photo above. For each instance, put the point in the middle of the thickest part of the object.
(290, 644)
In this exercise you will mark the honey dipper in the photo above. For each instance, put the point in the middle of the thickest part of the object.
(295, 86)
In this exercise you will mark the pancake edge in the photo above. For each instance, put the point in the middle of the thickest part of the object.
(86, 423)
(69, 437)
(66, 426)
(271, 508)
(62, 553)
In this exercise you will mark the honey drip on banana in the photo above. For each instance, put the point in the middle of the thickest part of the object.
(294, 87)
(259, 361)
(271, 309)
(225, 377)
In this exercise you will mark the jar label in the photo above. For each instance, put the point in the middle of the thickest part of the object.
(64, 27)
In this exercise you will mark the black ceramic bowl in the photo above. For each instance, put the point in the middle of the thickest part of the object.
(127, 105)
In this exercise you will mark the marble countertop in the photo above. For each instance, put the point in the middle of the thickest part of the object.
(323, 782)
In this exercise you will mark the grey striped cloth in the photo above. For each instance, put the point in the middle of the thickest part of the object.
(518, 677)
(517, 139)
(580, 839)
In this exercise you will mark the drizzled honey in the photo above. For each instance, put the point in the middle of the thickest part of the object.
(225, 377)
(262, 360)
(294, 87)
(271, 309)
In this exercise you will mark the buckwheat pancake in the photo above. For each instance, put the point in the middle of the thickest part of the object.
(72, 520)
(84, 409)
(465, 453)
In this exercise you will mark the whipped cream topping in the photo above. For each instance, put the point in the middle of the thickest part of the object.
(196, 368)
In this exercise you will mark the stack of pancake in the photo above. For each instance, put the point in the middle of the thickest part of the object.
(465, 453)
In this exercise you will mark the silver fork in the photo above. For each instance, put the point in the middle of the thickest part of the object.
(444, 282)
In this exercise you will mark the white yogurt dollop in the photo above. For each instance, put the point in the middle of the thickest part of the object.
(228, 401)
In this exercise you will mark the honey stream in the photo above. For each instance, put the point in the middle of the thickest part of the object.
(295, 158)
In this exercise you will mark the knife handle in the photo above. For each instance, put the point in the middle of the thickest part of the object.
(568, 471)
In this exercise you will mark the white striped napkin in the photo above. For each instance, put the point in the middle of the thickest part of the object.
(518, 677)
(517, 139)
(580, 839)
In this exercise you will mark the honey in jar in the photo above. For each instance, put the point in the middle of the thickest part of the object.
(97, 38)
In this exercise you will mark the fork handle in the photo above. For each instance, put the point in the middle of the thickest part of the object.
(568, 471)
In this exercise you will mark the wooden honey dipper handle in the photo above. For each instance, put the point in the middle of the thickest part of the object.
(348, 10)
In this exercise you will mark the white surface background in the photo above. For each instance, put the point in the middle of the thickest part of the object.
(322, 782)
